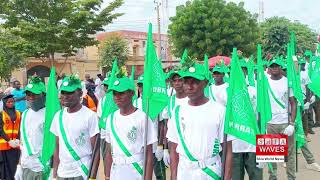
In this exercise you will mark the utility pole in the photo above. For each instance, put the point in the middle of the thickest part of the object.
(159, 30)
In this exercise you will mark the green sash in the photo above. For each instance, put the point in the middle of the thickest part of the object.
(207, 170)
(275, 98)
(73, 153)
(171, 104)
(211, 94)
(123, 147)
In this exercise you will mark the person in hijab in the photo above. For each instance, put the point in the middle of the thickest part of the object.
(90, 100)
(9, 138)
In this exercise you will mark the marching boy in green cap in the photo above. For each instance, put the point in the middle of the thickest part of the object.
(196, 132)
(280, 98)
(76, 129)
(218, 90)
(31, 132)
(126, 131)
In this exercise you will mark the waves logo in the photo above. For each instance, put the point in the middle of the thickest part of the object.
(271, 147)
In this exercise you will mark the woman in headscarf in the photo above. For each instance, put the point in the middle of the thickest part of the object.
(10, 120)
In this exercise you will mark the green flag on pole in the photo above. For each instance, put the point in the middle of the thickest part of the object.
(108, 105)
(314, 86)
(184, 56)
(250, 65)
(132, 73)
(154, 96)
(207, 73)
(263, 98)
(295, 84)
(240, 117)
(49, 139)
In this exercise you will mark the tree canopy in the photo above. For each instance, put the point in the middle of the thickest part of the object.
(213, 27)
(57, 26)
(275, 34)
(11, 57)
(113, 47)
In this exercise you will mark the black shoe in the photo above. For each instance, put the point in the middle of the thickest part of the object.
(310, 131)
(316, 125)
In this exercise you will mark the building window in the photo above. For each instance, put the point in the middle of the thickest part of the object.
(143, 44)
(135, 40)
(135, 51)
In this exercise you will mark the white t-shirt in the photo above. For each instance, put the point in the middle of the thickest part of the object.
(305, 80)
(239, 146)
(219, 93)
(138, 103)
(79, 126)
(173, 103)
(131, 131)
(202, 128)
(34, 123)
(280, 90)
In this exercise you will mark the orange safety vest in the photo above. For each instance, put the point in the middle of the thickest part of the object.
(11, 129)
(91, 104)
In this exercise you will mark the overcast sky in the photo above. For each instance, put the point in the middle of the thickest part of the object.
(139, 12)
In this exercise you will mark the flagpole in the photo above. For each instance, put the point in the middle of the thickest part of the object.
(96, 152)
(145, 139)
(224, 155)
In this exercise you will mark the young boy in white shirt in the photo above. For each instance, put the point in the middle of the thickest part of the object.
(196, 132)
(126, 132)
(76, 129)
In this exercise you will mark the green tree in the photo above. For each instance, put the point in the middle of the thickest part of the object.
(114, 46)
(212, 27)
(11, 57)
(275, 33)
(57, 26)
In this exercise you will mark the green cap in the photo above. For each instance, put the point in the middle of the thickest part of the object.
(140, 79)
(71, 83)
(219, 69)
(122, 84)
(308, 53)
(276, 61)
(243, 63)
(196, 71)
(106, 81)
(36, 86)
(172, 73)
(302, 61)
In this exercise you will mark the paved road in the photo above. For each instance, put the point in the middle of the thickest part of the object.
(302, 174)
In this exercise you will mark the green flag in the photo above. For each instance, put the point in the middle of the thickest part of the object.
(154, 96)
(49, 139)
(108, 104)
(240, 117)
(184, 56)
(132, 73)
(295, 84)
(314, 86)
(263, 98)
(251, 71)
(207, 73)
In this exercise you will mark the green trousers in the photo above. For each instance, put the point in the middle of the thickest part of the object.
(159, 168)
(245, 162)
(291, 164)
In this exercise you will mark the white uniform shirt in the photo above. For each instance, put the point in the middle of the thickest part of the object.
(177, 101)
(219, 93)
(280, 90)
(99, 114)
(34, 123)
(239, 146)
(131, 131)
(79, 126)
(202, 128)
(305, 80)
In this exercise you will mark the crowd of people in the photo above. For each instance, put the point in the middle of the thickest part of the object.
(187, 136)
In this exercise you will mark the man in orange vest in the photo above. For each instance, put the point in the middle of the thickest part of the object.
(90, 100)
(9, 138)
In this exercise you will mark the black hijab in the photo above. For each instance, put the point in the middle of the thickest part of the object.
(10, 111)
